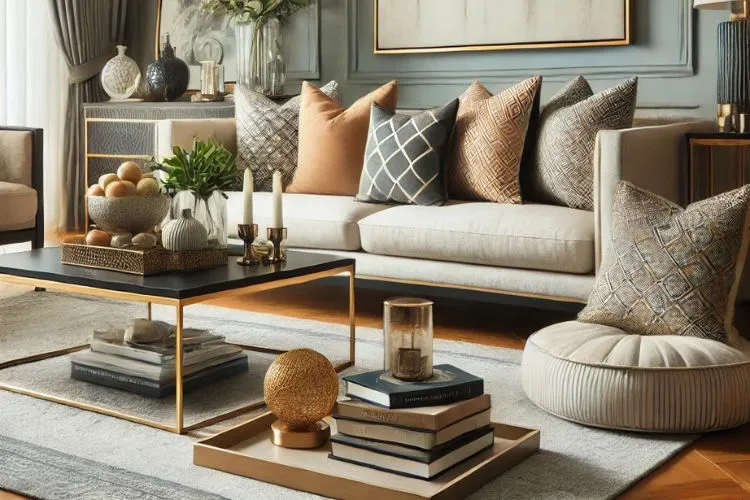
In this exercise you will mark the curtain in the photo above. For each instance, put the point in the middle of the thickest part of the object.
(33, 93)
(87, 32)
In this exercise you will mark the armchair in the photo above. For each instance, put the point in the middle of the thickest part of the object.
(21, 186)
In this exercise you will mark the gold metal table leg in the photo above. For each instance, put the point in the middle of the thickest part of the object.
(179, 403)
(352, 314)
(148, 311)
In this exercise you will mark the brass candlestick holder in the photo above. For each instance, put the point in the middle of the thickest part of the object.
(248, 233)
(277, 248)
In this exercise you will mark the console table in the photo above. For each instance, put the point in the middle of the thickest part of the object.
(734, 158)
(121, 131)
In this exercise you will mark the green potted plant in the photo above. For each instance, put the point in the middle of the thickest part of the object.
(257, 30)
(197, 179)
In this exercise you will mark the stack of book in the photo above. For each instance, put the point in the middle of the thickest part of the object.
(149, 368)
(413, 429)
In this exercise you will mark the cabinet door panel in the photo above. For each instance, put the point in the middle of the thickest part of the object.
(121, 138)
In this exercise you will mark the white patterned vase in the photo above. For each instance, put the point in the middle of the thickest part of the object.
(121, 76)
(185, 233)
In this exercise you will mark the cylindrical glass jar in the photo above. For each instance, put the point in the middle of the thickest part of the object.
(407, 327)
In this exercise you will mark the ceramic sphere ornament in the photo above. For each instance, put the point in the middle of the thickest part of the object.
(301, 388)
(167, 77)
(120, 76)
(185, 233)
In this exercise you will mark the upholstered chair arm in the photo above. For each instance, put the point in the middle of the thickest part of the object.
(171, 133)
(654, 158)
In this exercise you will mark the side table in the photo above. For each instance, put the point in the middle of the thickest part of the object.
(738, 142)
(120, 131)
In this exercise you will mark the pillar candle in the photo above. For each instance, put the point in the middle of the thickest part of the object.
(247, 197)
(278, 210)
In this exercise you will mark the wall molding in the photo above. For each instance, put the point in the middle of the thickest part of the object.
(312, 71)
(681, 63)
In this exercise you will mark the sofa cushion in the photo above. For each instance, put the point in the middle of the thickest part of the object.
(18, 204)
(312, 221)
(540, 237)
(15, 156)
(603, 376)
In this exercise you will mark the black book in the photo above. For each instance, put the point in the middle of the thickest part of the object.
(448, 385)
(409, 461)
(154, 388)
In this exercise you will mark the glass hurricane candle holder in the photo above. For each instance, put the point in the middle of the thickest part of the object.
(407, 326)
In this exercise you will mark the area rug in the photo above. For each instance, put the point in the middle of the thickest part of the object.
(574, 462)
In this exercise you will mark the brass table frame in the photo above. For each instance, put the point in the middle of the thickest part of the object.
(179, 304)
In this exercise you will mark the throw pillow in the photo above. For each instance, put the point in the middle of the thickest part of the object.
(563, 170)
(672, 271)
(332, 140)
(405, 154)
(267, 134)
(489, 142)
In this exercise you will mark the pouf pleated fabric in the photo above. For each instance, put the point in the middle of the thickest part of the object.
(604, 377)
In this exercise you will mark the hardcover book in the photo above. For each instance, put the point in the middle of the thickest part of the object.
(408, 461)
(426, 418)
(448, 385)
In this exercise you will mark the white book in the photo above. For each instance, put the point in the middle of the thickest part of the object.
(190, 357)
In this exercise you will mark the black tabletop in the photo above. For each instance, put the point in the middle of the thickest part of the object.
(44, 264)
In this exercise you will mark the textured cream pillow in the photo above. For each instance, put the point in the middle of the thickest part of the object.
(673, 271)
(267, 134)
(332, 140)
(488, 142)
(563, 169)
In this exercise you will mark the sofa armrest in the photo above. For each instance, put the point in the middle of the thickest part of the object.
(654, 158)
(171, 133)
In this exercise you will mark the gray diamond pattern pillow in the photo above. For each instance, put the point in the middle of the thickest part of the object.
(405, 154)
(672, 271)
(267, 134)
(563, 170)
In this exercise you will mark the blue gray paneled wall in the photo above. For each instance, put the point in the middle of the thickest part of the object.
(673, 53)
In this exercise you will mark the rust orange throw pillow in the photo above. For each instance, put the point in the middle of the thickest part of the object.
(332, 140)
(489, 140)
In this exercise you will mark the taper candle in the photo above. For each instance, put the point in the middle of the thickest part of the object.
(247, 197)
(278, 210)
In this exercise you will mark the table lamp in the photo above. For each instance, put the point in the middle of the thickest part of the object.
(733, 85)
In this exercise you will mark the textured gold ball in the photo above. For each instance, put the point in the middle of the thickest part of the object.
(301, 387)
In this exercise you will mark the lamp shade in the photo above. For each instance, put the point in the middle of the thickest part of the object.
(712, 4)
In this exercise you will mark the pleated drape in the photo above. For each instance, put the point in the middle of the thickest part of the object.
(87, 31)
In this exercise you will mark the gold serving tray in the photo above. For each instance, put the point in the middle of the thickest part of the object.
(246, 450)
(142, 262)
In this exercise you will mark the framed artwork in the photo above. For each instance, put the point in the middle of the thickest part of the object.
(198, 35)
(413, 26)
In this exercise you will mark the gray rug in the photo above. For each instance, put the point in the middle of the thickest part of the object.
(575, 461)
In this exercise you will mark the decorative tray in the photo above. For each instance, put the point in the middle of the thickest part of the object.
(143, 262)
(246, 450)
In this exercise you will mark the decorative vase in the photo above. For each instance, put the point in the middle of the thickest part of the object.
(184, 233)
(260, 61)
(168, 77)
(120, 76)
(407, 328)
(211, 212)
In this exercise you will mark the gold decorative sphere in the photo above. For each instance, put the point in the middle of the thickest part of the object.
(301, 387)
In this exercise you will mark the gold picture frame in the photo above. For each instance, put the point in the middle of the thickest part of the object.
(626, 40)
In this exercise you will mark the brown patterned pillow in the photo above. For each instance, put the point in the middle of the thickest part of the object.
(489, 142)
(563, 171)
(672, 271)
(267, 134)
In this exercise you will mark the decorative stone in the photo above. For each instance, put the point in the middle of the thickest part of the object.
(122, 240)
(144, 331)
(144, 241)
(185, 233)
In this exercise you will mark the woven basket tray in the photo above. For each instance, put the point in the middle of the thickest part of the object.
(143, 262)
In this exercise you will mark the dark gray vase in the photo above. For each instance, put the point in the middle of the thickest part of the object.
(168, 77)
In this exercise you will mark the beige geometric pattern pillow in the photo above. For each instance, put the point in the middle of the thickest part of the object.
(267, 134)
(488, 142)
(672, 271)
(563, 171)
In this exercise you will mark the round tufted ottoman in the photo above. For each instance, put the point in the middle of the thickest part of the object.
(604, 377)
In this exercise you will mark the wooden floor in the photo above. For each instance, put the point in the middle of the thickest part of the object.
(716, 467)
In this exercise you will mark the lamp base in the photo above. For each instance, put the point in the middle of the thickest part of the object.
(733, 82)
(314, 436)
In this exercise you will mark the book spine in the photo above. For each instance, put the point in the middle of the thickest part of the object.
(387, 417)
(433, 398)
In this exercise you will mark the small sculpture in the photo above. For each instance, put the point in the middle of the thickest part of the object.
(300, 388)
(185, 233)
(169, 76)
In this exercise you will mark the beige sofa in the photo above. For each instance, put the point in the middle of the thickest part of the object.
(531, 250)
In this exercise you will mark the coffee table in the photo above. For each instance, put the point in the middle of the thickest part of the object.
(42, 268)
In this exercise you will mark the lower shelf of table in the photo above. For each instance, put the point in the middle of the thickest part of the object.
(246, 450)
